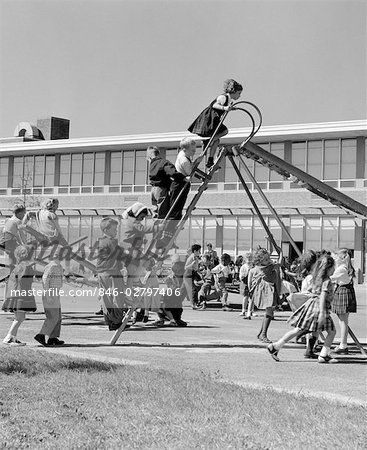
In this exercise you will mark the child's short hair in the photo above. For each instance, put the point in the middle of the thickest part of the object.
(187, 142)
(50, 204)
(225, 258)
(195, 248)
(231, 86)
(152, 152)
(23, 252)
(106, 223)
(18, 207)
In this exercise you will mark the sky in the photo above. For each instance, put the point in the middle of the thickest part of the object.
(115, 67)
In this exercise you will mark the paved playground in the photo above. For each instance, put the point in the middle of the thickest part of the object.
(215, 344)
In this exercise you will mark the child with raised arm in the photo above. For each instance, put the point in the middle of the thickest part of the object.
(19, 295)
(344, 301)
(314, 315)
(208, 120)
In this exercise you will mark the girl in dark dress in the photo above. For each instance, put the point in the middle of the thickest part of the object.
(208, 120)
(19, 296)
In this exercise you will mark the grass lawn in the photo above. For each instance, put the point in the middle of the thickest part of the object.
(52, 401)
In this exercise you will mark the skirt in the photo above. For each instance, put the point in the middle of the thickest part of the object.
(12, 304)
(344, 300)
(244, 290)
(306, 317)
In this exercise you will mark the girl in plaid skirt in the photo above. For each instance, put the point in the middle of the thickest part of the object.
(344, 301)
(314, 315)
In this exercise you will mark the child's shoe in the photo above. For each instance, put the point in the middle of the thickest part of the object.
(310, 355)
(40, 338)
(273, 352)
(326, 360)
(55, 341)
(341, 351)
(13, 342)
(181, 323)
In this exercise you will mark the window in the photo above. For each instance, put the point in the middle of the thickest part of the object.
(276, 231)
(262, 172)
(229, 235)
(331, 159)
(296, 230)
(244, 234)
(76, 169)
(299, 155)
(65, 170)
(259, 233)
(18, 171)
(4, 167)
(348, 159)
(88, 165)
(314, 159)
(50, 171)
(99, 169)
(313, 234)
(196, 231)
(128, 168)
(28, 171)
(140, 167)
(329, 233)
(115, 168)
(39, 165)
(210, 231)
(276, 149)
(230, 175)
(346, 233)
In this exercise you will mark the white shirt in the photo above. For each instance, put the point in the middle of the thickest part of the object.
(183, 164)
(12, 227)
(244, 271)
(221, 270)
(341, 276)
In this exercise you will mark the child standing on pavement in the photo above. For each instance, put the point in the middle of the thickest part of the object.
(52, 283)
(344, 301)
(264, 282)
(208, 120)
(221, 273)
(19, 297)
(247, 303)
(314, 315)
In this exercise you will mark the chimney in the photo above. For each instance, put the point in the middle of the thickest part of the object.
(54, 128)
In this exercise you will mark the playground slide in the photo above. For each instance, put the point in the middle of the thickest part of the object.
(292, 173)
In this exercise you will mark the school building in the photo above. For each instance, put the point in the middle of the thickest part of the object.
(101, 176)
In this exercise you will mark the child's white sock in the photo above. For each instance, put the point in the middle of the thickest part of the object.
(325, 351)
(279, 344)
(343, 346)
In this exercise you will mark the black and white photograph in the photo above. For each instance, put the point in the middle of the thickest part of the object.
(183, 224)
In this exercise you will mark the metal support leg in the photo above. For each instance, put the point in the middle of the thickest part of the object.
(358, 344)
(256, 208)
(124, 322)
(272, 210)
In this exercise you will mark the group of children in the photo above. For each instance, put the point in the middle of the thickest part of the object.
(327, 287)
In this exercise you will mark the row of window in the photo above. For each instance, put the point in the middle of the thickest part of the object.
(237, 234)
(329, 159)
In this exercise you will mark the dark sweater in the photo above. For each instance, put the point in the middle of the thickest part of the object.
(161, 172)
